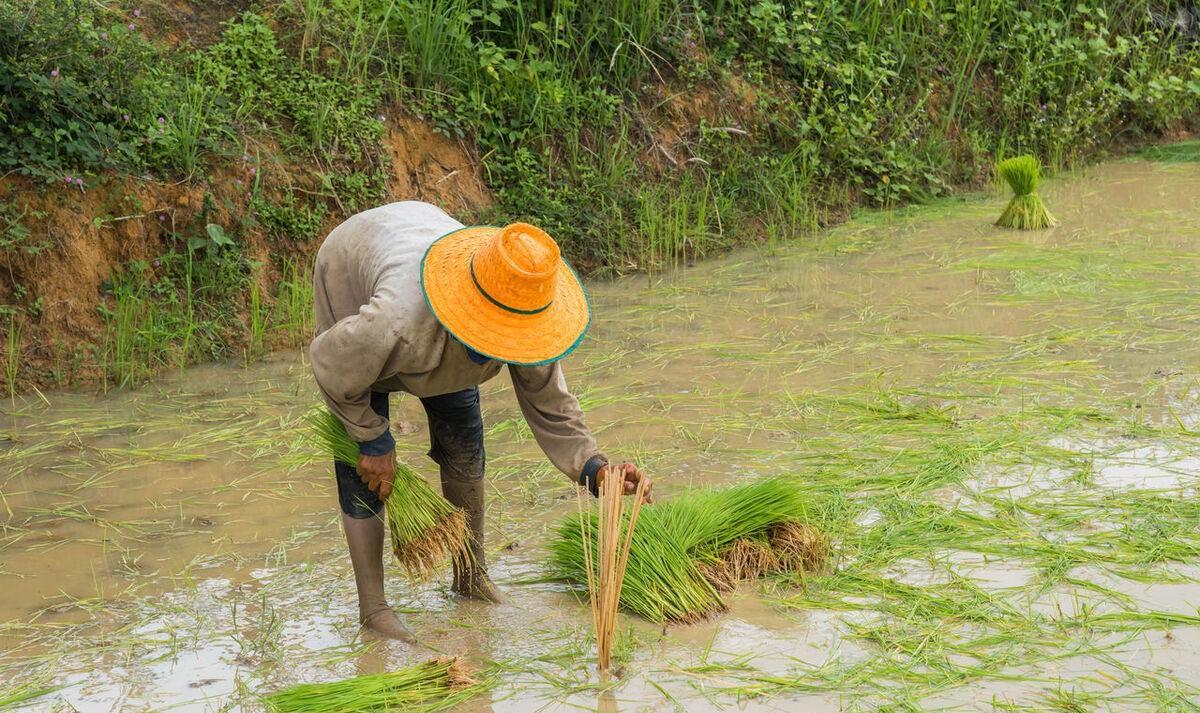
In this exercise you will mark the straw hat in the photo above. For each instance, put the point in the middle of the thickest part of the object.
(506, 293)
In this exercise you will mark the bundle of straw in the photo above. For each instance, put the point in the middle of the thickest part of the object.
(686, 551)
(1026, 210)
(606, 564)
(425, 528)
(435, 685)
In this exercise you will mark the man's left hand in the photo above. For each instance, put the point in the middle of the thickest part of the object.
(632, 475)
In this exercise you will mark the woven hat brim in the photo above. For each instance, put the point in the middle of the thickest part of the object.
(491, 330)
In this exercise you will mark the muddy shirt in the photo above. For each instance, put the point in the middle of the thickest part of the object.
(375, 332)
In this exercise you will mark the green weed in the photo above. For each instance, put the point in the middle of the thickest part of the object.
(12, 357)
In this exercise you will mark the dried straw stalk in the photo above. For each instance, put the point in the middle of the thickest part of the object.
(606, 566)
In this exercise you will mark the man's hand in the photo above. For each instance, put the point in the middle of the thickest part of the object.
(631, 474)
(378, 472)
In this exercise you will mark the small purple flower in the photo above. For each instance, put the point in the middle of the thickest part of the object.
(245, 157)
(79, 182)
(161, 217)
(157, 262)
(247, 195)
(162, 120)
(137, 13)
(125, 117)
(238, 182)
(54, 73)
(253, 170)
(70, 180)
(132, 27)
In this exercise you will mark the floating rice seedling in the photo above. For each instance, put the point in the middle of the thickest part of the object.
(607, 562)
(425, 528)
(686, 551)
(1026, 210)
(435, 685)
(23, 693)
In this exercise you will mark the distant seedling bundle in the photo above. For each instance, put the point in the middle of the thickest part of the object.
(1025, 211)
(684, 554)
(425, 528)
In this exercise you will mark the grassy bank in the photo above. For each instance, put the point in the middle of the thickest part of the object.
(169, 168)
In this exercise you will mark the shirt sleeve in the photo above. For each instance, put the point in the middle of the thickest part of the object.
(554, 416)
(348, 358)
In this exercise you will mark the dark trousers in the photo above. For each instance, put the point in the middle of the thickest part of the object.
(455, 444)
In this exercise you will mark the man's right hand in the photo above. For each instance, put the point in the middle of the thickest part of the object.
(378, 472)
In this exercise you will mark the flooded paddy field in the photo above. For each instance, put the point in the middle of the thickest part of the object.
(1001, 429)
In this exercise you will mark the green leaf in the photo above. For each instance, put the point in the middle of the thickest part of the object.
(218, 235)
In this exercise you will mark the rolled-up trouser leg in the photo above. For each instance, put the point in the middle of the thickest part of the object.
(355, 498)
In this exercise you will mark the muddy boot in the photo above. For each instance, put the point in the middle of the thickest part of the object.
(365, 540)
(471, 579)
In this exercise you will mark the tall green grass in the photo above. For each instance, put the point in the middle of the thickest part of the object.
(141, 337)
(187, 310)
(293, 318)
(12, 357)
(258, 315)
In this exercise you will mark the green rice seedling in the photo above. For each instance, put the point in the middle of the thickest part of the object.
(435, 685)
(425, 527)
(1026, 210)
(684, 551)
(23, 693)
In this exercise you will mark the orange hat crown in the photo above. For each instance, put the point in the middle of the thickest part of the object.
(505, 293)
(517, 269)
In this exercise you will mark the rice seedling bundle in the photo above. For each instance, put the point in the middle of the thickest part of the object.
(435, 685)
(1025, 211)
(425, 528)
(685, 552)
(607, 563)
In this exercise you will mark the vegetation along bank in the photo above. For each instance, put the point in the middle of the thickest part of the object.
(167, 168)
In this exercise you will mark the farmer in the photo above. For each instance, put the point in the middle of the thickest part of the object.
(407, 299)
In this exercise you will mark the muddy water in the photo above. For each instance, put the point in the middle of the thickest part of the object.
(178, 546)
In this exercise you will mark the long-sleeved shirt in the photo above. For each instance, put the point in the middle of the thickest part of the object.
(375, 332)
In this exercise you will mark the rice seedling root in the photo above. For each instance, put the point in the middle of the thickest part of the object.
(799, 547)
(425, 555)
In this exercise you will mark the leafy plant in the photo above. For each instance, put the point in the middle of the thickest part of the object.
(78, 89)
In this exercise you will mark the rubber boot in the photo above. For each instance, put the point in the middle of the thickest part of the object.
(471, 579)
(365, 540)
